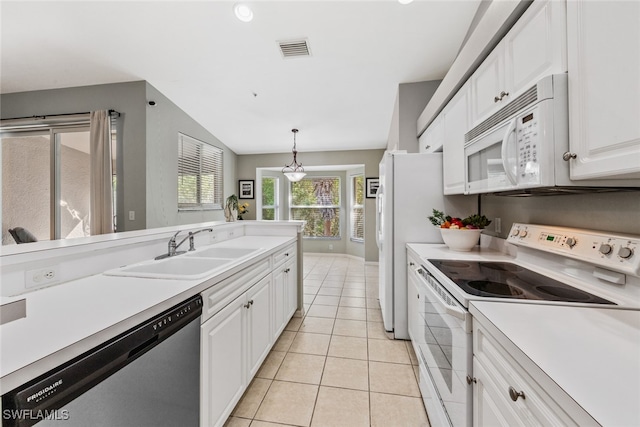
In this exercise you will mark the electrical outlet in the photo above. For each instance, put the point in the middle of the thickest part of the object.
(132, 215)
(330, 246)
(42, 276)
(497, 224)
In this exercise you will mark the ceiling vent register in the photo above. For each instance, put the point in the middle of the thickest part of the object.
(294, 48)
(527, 98)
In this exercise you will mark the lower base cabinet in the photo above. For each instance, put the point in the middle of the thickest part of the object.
(236, 339)
(506, 394)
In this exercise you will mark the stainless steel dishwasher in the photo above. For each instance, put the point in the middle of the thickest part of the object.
(146, 376)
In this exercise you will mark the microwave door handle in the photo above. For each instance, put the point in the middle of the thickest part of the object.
(505, 153)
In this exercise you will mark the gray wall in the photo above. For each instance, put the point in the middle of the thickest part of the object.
(247, 165)
(616, 212)
(148, 147)
(164, 121)
(126, 98)
(410, 102)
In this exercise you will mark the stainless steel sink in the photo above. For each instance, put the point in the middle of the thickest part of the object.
(222, 252)
(179, 267)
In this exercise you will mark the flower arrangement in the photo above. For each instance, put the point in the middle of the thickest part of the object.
(243, 209)
(472, 222)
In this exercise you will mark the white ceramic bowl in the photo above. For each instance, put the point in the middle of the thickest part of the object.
(462, 240)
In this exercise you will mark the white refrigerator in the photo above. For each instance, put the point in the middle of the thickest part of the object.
(410, 188)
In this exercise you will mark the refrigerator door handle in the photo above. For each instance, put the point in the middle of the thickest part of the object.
(379, 237)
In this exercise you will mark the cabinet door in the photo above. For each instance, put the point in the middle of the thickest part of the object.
(456, 124)
(604, 88)
(489, 405)
(223, 359)
(279, 295)
(259, 336)
(536, 46)
(486, 84)
(291, 289)
(432, 139)
(413, 300)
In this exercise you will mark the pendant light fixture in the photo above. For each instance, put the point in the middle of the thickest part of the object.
(294, 170)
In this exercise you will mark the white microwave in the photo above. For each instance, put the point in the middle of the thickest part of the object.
(519, 149)
(515, 147)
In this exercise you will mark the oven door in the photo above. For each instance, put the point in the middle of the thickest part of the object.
(444, 345)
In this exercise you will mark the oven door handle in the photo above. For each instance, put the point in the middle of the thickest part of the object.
(449, 308)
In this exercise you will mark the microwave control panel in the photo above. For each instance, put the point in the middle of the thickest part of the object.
(527, 131)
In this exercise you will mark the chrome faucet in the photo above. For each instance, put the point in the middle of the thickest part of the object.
(172, 246)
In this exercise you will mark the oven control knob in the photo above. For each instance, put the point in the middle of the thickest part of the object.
(605, 249)
(625, 253)
(571, 242)
(523, 233)
(515, 232)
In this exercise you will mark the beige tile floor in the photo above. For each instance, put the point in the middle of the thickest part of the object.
(335, 366)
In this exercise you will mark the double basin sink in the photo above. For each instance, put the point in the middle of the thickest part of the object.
(190, 266)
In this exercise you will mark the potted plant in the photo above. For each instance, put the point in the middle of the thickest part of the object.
(459, 234)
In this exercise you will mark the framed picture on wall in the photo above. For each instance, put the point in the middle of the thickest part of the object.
(245, 189)
(371, 187)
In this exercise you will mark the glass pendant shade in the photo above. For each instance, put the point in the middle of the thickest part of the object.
(294, 171)
(295, 176)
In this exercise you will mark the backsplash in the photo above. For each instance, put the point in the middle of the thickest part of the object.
(616, 211)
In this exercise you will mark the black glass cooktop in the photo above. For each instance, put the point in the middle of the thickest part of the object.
(507, 280)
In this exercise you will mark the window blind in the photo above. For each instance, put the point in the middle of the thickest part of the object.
(199, 175)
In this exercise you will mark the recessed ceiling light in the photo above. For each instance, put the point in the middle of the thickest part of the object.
(405, 1)
(243, 12)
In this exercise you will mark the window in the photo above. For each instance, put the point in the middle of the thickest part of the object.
(317, 201)
(199, 175)
(357, 208)
(270, 199)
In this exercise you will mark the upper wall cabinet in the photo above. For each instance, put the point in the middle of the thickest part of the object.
(533, 48)
(456, 124)
(604, 88)
(433, 137)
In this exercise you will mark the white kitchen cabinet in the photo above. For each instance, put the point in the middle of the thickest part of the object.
(432, 138)
(455, 124)
(291, 280)
(604, 88)
(413, 297)
(505, 394)
(259, 337)
(285, 288)
(223, 368)
(533, 48)
(234, 343)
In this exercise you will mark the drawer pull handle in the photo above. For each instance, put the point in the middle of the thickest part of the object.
(411, 264)
(514, 395)
(471, 380)
(500, 97)
(248, 304)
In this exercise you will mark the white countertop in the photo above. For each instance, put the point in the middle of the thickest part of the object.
(593, 354)
(65, 320)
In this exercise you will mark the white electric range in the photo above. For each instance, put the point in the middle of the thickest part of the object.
(551, 266)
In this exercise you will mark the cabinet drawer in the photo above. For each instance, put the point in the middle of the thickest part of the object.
(501, 372)
(220, 295)
(283, 255)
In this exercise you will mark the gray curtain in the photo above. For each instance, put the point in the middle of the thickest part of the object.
(101, 173)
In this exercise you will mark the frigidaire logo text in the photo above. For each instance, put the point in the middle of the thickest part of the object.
(45, 390)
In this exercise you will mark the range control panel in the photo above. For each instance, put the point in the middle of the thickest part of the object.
(609, 250)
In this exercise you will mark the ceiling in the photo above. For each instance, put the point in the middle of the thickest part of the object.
(229, 75)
